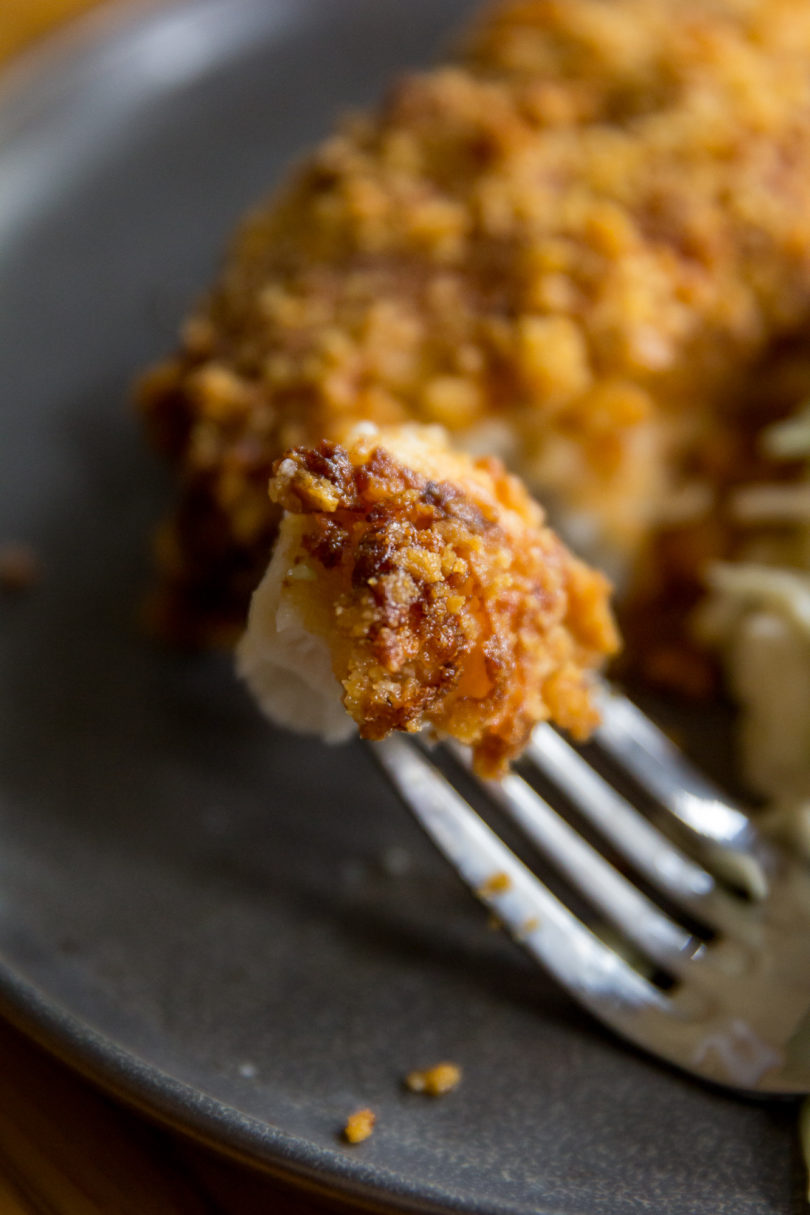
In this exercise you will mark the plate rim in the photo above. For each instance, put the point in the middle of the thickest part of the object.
(179, 1106)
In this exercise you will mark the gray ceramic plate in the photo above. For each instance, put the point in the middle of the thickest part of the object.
(196, 911)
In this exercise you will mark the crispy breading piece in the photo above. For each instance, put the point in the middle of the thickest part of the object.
(441, 597)
(568, 245)
(435, 1081)
(359, 1125)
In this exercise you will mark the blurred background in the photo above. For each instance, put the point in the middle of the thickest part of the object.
(24, 21)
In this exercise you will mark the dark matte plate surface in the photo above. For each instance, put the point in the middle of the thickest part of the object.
(194, 909)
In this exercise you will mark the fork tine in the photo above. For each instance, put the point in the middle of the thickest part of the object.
(620, 902)
(665, 865)
(644, 751)
(589, 969)
(738, 1009)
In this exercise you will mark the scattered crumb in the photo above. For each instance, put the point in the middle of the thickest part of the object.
(359, 1126)
(248, 1071)
(494, 923)
(527, 928)
(498, 883)
(19, 567)
(434, 1081)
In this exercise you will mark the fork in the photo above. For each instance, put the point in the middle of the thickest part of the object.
(721, 987)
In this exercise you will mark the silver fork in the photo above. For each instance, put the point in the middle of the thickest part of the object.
(727, 999)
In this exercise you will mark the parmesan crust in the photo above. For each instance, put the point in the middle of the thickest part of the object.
(577, 238)
(433, 583)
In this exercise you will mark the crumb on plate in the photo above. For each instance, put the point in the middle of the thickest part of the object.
(359, 1125)
(434, 1081)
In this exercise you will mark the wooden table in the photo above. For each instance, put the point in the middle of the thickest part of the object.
(65, 1148)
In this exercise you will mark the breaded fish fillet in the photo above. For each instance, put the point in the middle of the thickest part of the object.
(567, 246)
(420, 586)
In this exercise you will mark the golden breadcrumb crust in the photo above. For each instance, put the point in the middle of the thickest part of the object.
(443, 597)
(359, 1125)
(574, 239)
(435, 1081)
